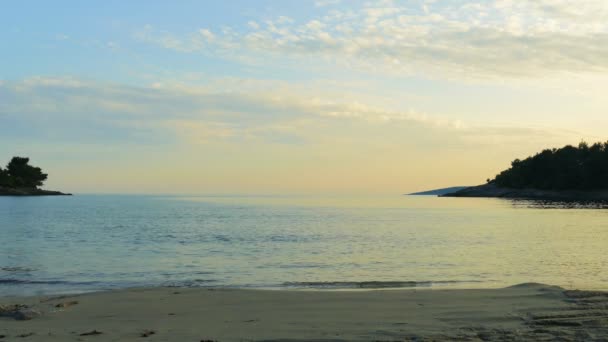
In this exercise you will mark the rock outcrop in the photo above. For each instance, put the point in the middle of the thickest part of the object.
(5, 191)
(491, 190)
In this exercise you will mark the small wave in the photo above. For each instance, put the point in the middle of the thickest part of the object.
(12, 281)
(16, 269)
(372, 284)
(222, 238)
(190, 283)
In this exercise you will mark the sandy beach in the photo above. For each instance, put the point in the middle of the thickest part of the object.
(523, 312)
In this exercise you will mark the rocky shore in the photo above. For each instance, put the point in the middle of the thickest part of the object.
(491, 190)
(4, 191)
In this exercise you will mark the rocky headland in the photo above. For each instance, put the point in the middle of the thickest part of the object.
(22, 179)
(570, 173)
(492, 190)
(5, 191)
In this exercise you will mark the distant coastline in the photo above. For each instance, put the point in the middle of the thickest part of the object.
(438, 192)
(492, 190)
(4, 191)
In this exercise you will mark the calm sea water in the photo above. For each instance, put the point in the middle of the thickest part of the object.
(88, 243)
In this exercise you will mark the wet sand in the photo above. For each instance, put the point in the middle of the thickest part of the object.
(524, 312)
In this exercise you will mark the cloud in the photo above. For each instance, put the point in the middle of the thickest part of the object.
(68, 109)
(200, 113)
(324, 3)
(502, 38)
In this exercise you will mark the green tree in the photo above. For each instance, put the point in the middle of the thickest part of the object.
(25, 175)
(584, 167)
(5, 178)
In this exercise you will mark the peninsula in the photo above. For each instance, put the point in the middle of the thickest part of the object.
(567, 174)
(438, 192)
(21, 179)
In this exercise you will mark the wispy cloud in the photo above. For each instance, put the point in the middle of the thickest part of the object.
(229, 113)
(499, 38)
(324, 3)
(63, 107)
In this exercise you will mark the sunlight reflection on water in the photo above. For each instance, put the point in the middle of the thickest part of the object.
(53, 245)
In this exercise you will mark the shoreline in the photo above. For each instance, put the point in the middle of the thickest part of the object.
(522, 312)
(23, 192)
(15, 290)
(493, 191)
(30, 193)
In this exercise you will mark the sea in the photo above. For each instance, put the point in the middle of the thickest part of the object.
(84, 243)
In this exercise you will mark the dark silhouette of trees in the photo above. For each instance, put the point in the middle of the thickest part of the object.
(5, 178)
(19, 174)
(568, 168)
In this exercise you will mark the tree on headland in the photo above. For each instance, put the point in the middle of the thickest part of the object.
(19, 174)
(5, 178)
(568, 168)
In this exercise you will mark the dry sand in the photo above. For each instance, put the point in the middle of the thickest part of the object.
(524, 312)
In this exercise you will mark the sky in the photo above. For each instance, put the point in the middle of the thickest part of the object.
(296, 97)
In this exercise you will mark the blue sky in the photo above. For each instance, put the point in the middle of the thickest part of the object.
(81, 38)
(296, 96)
